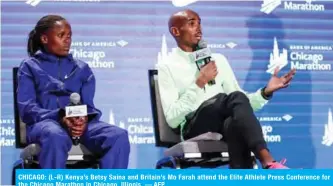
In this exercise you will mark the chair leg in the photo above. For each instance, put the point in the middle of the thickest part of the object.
(96, 166)
(158, 166)
(177, 163)
(14, 175)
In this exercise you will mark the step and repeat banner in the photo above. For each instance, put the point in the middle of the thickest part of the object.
(122, 40)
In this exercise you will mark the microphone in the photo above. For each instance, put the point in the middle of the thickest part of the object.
(75, 99)
(203, 53)
(75, 109)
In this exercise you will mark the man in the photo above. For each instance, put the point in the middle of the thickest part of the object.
(195, 107)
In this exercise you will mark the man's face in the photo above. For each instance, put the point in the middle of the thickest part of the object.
(190, 31)
(57, 40)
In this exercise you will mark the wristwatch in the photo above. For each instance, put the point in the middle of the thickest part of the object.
(265, 96)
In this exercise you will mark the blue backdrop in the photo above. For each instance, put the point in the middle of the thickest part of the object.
(122, 40)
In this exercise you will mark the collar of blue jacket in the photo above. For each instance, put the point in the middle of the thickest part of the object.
(51, 57)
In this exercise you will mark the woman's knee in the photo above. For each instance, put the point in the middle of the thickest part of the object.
(55, 136)
(123, 138)
(118, 137)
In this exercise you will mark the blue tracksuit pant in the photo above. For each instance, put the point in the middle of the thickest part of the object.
(102, 138)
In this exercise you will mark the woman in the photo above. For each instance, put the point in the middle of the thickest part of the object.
(45, 82)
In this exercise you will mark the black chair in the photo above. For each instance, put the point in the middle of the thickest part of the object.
(79, 156)
(206, 150)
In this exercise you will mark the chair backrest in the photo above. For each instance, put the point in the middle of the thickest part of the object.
(164, 135)
(20, 126)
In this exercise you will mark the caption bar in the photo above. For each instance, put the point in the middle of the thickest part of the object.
(167, 177)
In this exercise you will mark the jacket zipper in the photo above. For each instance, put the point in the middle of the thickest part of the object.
(72, 72)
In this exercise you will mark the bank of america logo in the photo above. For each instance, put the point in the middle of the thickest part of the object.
(310, 1)
(328, 132)
(277, 59)
(182, 3)
(33, 2)
(287, 117)
(269, 6)
(122, 43)
(231, 45)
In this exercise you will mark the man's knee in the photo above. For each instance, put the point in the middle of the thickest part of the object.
(238, 95)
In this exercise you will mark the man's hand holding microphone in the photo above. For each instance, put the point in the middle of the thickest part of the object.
(207, 74)
(208, 71)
